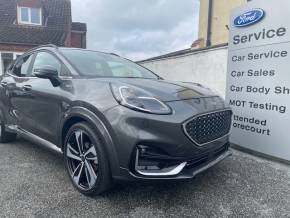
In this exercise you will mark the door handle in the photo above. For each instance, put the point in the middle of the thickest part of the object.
(4, 84)
(27, 87)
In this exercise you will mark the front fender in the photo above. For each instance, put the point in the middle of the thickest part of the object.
(102, 128)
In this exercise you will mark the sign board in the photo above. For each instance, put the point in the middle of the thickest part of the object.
(258, 77)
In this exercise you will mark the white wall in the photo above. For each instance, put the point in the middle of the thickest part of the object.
(207, 67)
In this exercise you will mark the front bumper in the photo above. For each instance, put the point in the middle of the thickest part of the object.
(192, 167)
(165, 134)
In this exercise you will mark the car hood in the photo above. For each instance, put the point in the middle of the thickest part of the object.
(168, 90)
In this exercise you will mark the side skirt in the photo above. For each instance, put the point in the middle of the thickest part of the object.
(34, 138)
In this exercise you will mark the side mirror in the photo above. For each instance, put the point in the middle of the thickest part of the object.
(48, 72)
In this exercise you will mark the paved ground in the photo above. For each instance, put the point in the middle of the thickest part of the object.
(33, 184)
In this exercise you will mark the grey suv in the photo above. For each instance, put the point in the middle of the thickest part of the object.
(111, 118)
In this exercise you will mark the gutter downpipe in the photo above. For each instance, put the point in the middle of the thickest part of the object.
(209, 23)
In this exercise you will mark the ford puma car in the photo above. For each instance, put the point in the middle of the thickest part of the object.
(112, 119)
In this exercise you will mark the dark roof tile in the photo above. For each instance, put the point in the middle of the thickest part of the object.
(57, 21)
(77, 26)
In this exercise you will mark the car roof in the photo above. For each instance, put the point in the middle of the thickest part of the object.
(52, 47)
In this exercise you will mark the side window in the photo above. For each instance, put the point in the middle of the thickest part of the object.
(21, 68)
(44, 59)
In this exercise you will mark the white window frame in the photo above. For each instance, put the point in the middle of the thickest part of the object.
(29, 16)
(1, 61)
(1, 65)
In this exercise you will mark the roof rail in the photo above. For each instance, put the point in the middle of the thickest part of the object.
(114, 54)
(41, 46)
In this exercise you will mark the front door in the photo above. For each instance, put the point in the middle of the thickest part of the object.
(37, 102)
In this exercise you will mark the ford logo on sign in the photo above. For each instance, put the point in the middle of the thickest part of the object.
(249, 18)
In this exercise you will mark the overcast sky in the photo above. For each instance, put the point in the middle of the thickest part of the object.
(138, 29)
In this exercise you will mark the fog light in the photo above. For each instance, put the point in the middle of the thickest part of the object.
(153, 162)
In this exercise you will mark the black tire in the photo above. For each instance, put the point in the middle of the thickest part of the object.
(80, 171)
(5, 136)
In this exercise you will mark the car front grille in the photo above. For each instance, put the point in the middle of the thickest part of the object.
(209, 127)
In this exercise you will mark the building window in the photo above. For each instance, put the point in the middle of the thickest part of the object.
(31, 16)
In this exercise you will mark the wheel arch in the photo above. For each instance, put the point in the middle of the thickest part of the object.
(81, 114)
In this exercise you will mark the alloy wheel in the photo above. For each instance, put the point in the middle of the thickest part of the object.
(82, 159)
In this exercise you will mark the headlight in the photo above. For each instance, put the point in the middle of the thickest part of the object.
(138, 99)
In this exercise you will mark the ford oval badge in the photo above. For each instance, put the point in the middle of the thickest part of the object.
(249, 17)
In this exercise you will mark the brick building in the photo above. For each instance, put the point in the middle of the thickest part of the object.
(25, 24)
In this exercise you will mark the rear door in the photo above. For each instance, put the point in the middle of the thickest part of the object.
(13, 95)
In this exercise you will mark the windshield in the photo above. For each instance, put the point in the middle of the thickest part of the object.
(97, 64)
